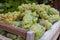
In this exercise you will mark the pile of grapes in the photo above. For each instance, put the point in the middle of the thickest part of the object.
(35, 17)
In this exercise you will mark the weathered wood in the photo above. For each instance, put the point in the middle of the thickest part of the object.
(56, 35)
(39, 1)
(30, 35)
(13, 29)
(56, 4)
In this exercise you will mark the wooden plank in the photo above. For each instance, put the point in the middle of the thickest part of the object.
(30, 35)
(13, 29)
(56, 35)
(56, 4)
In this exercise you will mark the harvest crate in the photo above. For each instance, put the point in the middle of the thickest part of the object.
(51, 34)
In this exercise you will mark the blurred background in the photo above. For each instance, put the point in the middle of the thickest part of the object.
(11, 5)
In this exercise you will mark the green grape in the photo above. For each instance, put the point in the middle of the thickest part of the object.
(9, 15)
(35, 19)
(17, 23)
(27, 18)
(43, 15)
(21, 9)
(42, 12)
(24, 13)
(27, 26)
(38, 30)
(40, 9)
(8, 35)
(7, 21)
(2, 32)
(11, 36)
(19, 38)
(35, 14)
(25, 6)
(53, 11)
(2, 17)
(45, 7)
(33, 7)
(16, 15)
(53, 18)
(45, 23)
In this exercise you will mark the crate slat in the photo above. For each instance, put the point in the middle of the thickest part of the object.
(13, 29)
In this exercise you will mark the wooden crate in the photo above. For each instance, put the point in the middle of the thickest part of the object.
(51, 34)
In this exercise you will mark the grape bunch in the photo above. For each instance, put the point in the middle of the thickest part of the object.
(10, 35)
(36, 17)
(45, 23)
(29, 19)
(38, 30)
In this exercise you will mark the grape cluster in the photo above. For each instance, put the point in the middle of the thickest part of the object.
(35, 17)
(38, 30)
(29, 19)
(53, 18)
(45, 23)
(14, 37)
(10, 35)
